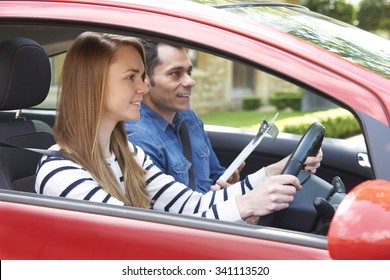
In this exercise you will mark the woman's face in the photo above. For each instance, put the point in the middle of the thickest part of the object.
(125, 86)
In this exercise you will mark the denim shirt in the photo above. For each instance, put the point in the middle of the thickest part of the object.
(161, 141)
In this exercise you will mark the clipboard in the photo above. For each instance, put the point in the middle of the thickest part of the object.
(266, 127)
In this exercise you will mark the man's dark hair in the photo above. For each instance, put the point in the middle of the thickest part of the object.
(151, 54)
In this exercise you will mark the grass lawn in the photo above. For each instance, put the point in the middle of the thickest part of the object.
(244, 119)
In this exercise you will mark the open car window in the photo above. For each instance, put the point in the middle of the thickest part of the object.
(225, 88)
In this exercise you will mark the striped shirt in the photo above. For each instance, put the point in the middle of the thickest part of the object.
(58, 176)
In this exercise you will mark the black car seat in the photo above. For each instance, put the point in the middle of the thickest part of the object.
(25, 77)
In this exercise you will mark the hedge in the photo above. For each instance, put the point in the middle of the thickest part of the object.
(283, 100)
(338, 123)
(250, 103)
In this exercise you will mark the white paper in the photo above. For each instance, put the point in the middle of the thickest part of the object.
(241, 158)
(250, 147)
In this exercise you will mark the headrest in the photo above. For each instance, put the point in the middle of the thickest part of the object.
(24, 74)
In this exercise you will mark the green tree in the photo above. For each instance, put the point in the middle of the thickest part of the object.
(374, 15)
(385, 24)
(332, 8)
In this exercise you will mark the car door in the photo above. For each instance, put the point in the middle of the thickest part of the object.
(36, 227)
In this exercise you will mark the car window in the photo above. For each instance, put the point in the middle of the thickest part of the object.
(229, 93)
(233, 94)
(56, 63)
(347, 41)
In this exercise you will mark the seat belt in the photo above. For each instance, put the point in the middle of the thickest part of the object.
(40, 151)
(186, 142)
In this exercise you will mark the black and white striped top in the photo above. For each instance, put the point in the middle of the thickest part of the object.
(57, 176)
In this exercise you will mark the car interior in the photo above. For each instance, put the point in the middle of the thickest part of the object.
(26, 76)
(25, 81)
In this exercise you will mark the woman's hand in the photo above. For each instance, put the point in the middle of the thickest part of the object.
(311, 164)
(274, 194)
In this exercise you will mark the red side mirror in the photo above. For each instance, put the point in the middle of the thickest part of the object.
(360, 228)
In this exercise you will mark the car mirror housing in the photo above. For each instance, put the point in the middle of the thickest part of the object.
(360, 227)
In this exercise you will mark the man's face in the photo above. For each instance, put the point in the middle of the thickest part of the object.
(171, 84)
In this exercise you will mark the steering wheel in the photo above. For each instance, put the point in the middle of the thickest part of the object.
(309, 145)
(302, 214)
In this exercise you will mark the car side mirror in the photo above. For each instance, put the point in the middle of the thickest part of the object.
(360, 228)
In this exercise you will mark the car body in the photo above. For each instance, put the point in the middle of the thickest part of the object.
(34, 226)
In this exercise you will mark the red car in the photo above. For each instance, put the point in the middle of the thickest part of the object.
(291, 46)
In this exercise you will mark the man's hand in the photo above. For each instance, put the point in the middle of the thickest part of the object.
(236, 175)
(219, 185)
(233, 179)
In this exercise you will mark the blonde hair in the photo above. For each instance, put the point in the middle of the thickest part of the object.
(79, 112)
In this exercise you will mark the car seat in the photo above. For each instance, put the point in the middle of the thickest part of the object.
(25, 76)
